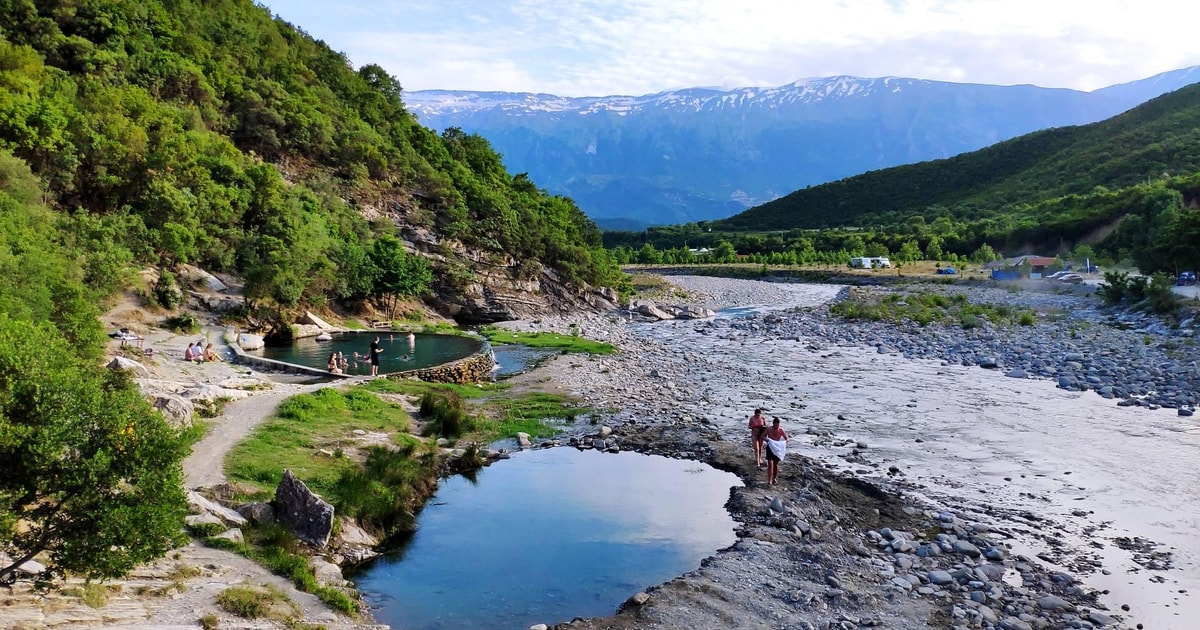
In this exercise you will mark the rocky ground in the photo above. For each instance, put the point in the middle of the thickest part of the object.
(827, 549)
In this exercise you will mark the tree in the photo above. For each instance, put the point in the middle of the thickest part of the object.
(984, 254)
(89, 473)
(724, 253)
(933, 250)
(398, 273)
(909, 252)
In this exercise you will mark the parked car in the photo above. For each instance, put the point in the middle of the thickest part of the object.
(1185, 278)
(1070, 278)
(1056, 275)
(946, 271)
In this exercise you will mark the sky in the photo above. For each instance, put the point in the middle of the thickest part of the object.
(635, 47)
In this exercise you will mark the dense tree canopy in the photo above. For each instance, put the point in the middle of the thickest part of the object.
(175, 131)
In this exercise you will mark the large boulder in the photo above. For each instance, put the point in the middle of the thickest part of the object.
(649, 309)
(177, 409)
(308, 516)
(309, 318)
(250, 342)
(203, 278)
(200, 505)
(694, 312)
(129, 365)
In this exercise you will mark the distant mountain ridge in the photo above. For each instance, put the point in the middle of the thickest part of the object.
(705, 153)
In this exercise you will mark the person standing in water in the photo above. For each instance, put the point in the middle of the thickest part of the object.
(758, 424)
(376, 350)
(776, 442)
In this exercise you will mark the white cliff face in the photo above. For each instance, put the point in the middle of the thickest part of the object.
(706, 153)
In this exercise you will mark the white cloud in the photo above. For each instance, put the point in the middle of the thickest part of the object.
(578, 47)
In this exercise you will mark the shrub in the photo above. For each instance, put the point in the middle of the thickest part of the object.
(167, 293)
(1026, 319)
(446, 414)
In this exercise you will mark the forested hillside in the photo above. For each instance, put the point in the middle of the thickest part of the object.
(172, 131)
(1157, 139)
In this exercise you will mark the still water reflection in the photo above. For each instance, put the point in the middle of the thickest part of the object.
(550, 535)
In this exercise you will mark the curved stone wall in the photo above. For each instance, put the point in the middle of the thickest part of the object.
(472, 369)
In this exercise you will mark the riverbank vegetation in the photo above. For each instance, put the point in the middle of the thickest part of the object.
(573, 343)
(924, 308)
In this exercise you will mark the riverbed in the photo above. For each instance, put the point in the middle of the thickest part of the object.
(1118, 483)
(1104, 493)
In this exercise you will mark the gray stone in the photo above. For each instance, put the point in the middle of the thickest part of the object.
(902, 583)
(258, 513)
(1053, 602)
(327, 573)
(202, 521)
(639, 599)
(538, 626)
(233, 535)
(129, 365)
(1012, 623)
(1100, 619)
(523, 440)
(940, 578)
(966, 549)
(176, 409)
(308, 516)
(777, 505)
(248, 341)
(201, 505)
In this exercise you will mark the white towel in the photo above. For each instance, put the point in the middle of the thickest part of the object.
(779, 448)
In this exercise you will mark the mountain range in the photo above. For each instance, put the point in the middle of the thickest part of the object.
(701, 153)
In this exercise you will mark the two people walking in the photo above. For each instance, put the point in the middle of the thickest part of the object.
(769, 442)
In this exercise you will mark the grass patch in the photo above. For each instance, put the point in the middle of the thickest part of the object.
(256, 602)
(924, 308)
(410, 387)
(277, 549)
(528, 413)
(305, 424)
(194, 433)
(567, 343)
(212, 408)
(93, 594)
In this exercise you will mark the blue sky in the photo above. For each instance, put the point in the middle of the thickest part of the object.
(602, 47)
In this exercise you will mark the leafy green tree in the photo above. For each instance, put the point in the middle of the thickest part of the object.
(933, 250)
(89, 473)
(398, 272)
(724, 253)
(909, 252)
(984, 254)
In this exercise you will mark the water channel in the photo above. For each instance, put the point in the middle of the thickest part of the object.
(550, 535)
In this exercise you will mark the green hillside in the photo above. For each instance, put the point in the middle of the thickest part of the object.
(1160, 137)
(172, 131)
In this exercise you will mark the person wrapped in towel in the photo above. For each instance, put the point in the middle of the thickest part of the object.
(776, 442)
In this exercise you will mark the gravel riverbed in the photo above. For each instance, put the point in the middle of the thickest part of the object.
(925, 490)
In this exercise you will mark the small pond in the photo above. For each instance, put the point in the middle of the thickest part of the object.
(513, 359)
(398, 354)
(547, 536)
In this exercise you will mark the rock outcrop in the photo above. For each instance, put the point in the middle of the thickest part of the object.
(129, 365)
(308, 516)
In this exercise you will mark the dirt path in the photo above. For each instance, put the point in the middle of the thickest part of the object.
(206, 465)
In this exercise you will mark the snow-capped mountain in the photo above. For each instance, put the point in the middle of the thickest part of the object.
(705, 153)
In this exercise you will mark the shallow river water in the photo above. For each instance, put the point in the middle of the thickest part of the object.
(1108, 479)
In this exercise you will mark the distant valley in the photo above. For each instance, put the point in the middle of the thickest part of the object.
(702, 154)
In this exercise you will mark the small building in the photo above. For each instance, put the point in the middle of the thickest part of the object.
(870, 262)
(1014, 268)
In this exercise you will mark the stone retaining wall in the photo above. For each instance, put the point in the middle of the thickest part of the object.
(473, 369)
(264, 363)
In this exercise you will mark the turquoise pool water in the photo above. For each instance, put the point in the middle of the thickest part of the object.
(547, 536)
(398, 355)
